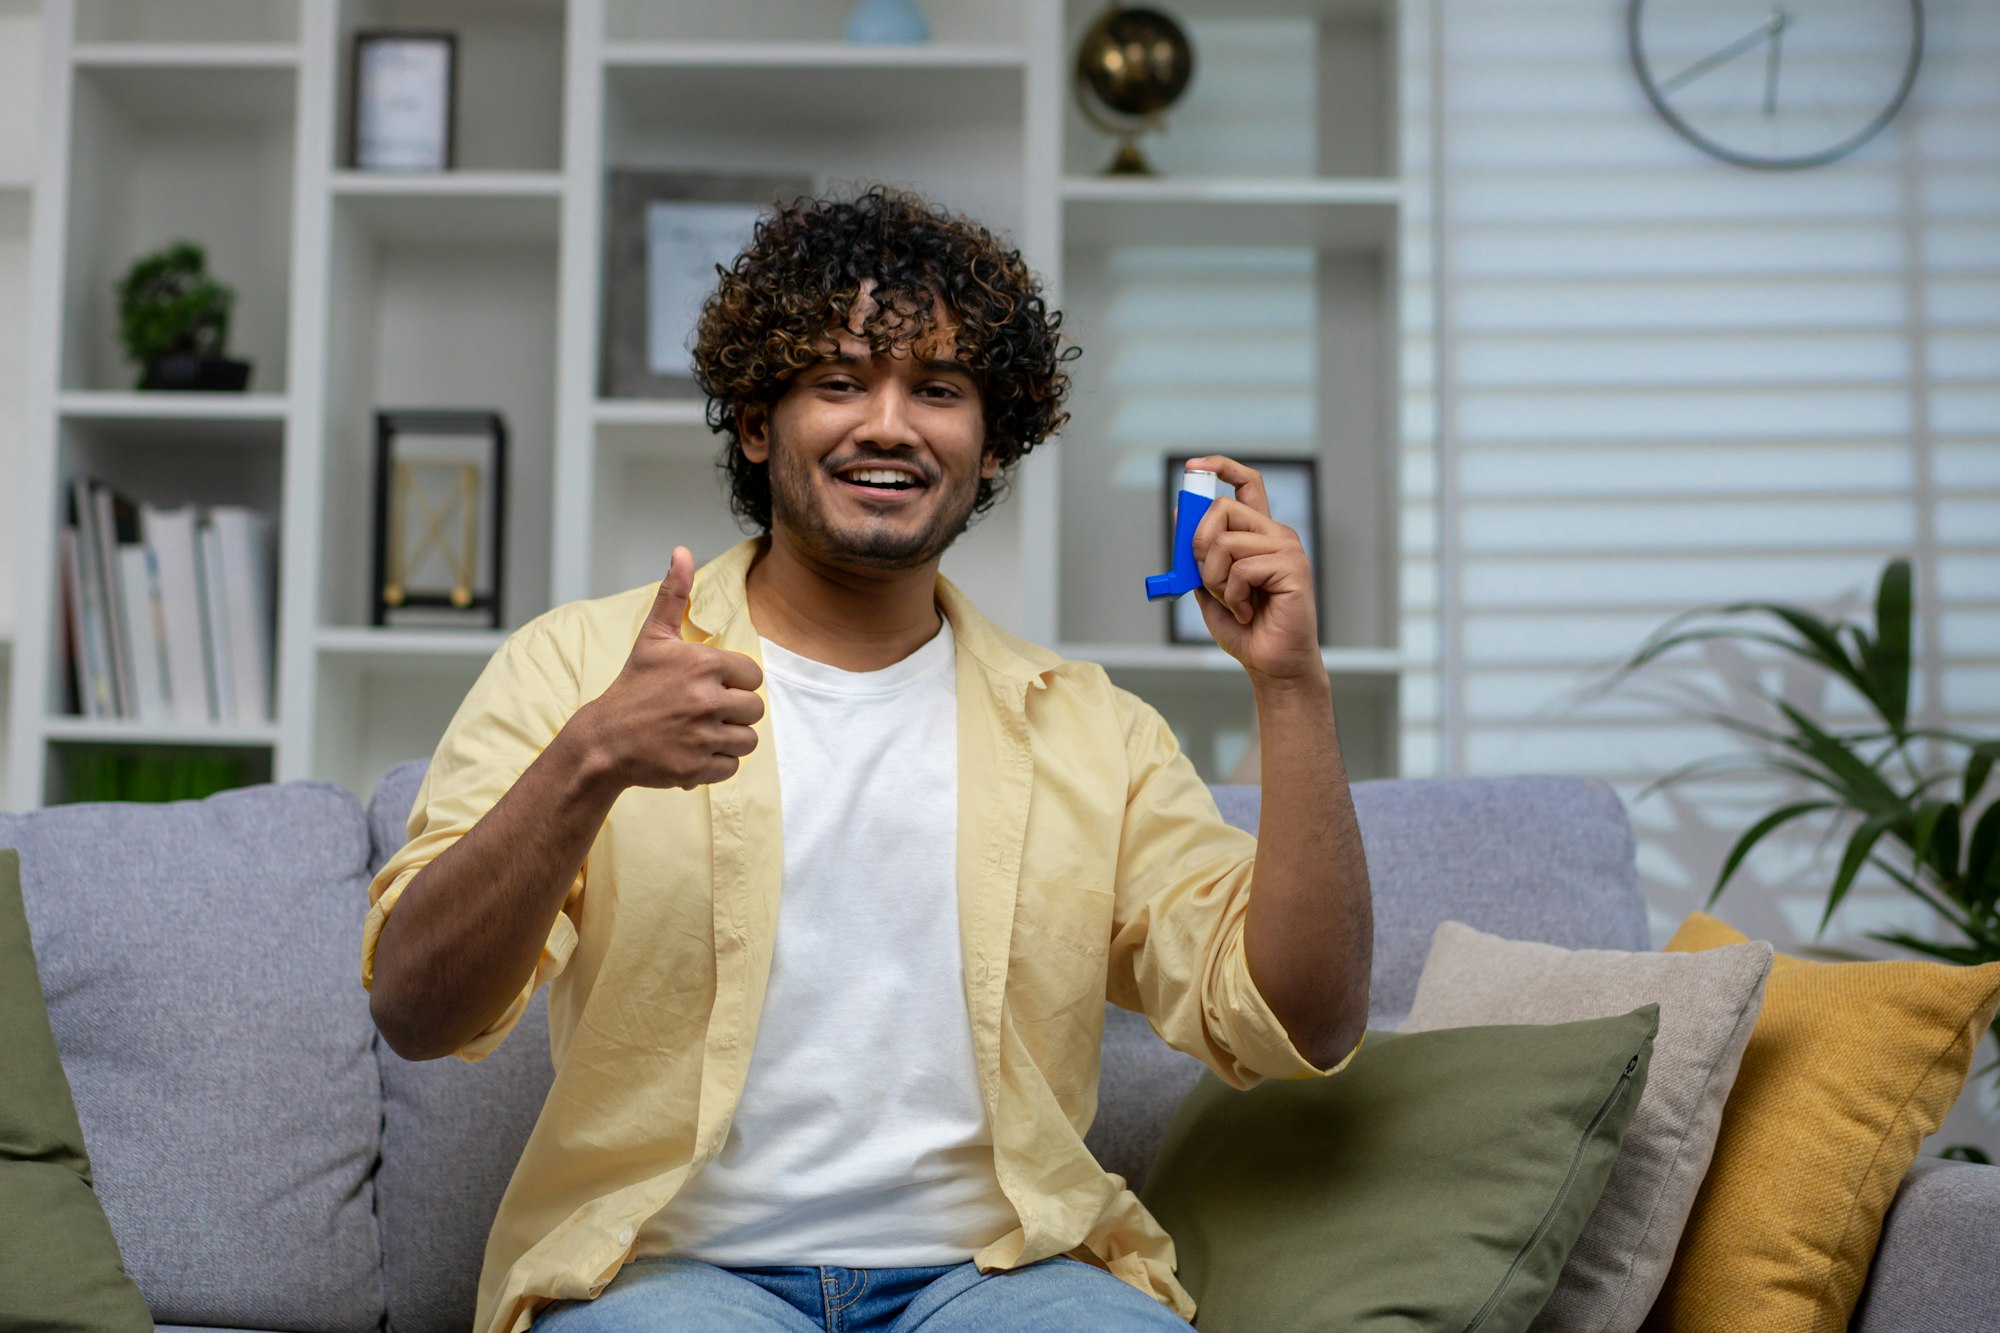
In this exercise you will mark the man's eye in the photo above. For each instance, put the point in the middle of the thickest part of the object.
(942, 390)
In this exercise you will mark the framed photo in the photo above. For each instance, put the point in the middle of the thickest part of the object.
(666, 231)
(1293, 486)
(440, 518)
(405, 86)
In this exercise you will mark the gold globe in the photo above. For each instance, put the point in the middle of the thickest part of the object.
(1136, 63)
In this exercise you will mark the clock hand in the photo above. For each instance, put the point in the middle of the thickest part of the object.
(1709, 62)
(1779, 18)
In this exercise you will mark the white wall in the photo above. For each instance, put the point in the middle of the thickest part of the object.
(1659, 381)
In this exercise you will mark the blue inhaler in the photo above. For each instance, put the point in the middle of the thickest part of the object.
(1197, 493)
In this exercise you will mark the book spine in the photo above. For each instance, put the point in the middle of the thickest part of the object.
(170, 532)
(135, 587)
(124, 690)
(215, 625)
(79, 645)
(245, 538)
(99, 700)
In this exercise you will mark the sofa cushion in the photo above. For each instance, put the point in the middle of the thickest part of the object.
(198, 962)
(59, 1265)
(1546, 858)
(451, 1134)
(1708, 1005)
(1437, 1182)
(1530, 858)
(1850, 1067)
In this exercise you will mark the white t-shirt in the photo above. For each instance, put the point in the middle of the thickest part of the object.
(861, 1139)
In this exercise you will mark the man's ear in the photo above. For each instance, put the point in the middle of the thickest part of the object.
(753, 429)
(989, 464)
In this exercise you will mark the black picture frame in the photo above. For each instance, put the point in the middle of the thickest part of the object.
(1292, 482)
(625, 370)
(369, 37)
(439, 610)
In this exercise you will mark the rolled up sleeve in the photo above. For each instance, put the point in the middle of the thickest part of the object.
(521, 700)
(1182, 898)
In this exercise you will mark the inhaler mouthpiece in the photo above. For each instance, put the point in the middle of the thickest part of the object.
(1197, 493)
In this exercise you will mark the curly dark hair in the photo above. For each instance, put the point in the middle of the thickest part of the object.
(774, 309)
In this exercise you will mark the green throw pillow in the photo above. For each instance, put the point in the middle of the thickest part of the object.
(59, 1265)
(1438, 1181)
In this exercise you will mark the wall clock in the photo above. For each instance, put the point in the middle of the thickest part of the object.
(1783, 85)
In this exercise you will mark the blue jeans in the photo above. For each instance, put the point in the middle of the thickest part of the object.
(1058, 1295)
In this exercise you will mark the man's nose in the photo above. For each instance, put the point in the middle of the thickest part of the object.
(890, 422)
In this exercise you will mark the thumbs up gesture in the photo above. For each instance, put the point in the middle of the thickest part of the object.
(679, 714)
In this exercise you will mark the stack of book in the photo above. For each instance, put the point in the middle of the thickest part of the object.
(169, 610)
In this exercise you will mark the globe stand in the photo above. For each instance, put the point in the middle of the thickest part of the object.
(1129, 160)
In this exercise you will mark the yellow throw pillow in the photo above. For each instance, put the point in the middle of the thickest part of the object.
(1850, 1066)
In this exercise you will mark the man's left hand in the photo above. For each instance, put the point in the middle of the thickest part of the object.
(1257, 595)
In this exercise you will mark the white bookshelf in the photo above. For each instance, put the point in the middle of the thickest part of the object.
(479, 287)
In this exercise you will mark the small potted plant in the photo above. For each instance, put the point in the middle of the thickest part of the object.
(174, 321)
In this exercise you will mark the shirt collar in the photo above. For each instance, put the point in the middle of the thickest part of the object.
(719, 595)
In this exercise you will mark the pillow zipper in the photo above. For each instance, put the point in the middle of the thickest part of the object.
(1549, 1217)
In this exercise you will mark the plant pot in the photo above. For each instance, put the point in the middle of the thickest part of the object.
(192, 372)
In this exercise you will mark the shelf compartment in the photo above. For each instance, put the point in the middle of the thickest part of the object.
(1280, 87)
(1249, 352)
(649, 500)
(71, 745)
(228, 23)
(169, 152)
(1331, 215)
(507, 76)
(448, 318)
(788, 23)
(472, 206)
(833, 125)
(374, 710)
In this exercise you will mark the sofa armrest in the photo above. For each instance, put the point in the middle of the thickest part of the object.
(1938, 1265)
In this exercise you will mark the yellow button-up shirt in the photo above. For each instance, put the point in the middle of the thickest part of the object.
(1092, 865)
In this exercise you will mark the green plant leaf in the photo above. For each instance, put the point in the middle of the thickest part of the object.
(1928, 815)
(1960, 955)
(1982, 853)
(1777, 818)
(1966, 1152)
(1818, 642)
(1978, 766)
(1858, 847)
(1865, 788)
(1890, 664)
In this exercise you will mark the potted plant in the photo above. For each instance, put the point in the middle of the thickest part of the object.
(1916, 817)
(174, 321)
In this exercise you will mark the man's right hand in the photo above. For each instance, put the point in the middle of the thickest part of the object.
(679, 714)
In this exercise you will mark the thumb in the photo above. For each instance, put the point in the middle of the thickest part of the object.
(670, 605)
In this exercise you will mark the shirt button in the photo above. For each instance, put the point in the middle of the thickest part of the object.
(625, 1236)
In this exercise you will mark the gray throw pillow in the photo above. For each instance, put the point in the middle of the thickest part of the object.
(1709, 1003)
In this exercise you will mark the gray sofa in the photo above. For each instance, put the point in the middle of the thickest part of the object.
(268, 1164)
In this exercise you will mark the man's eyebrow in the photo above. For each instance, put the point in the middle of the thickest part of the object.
(942, 365)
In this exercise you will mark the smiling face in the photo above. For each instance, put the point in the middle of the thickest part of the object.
(874, 458)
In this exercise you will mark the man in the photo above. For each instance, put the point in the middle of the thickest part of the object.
(827, 981)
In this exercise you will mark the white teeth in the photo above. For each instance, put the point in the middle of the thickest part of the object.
(879, 474)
